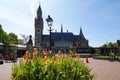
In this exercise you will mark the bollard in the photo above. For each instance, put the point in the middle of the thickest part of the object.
(87, 59)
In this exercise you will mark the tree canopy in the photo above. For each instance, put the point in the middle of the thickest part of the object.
(3, 35)
(109, 45)
(13, 38)
(10, 38)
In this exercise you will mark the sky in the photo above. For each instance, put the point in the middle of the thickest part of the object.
(99, 19)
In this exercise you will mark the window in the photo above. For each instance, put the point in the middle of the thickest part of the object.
(38, 30)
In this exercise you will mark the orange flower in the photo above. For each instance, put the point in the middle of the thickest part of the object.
(45, 53)
(71, 52)
(59, 52)
(45, 57)
(50, 52)
(35, 52)
(26, 62)
(26, 55)
(63, 56)
(77, 55)
(47, 61)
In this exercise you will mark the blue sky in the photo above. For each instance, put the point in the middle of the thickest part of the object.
(99, 19)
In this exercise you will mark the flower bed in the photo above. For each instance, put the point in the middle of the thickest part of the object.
(50, 67)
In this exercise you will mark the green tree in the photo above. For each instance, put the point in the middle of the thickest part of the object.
(3, 35)
(110, 45)
(115, 44)
(13, 38)
(104, 46)
(20, 41)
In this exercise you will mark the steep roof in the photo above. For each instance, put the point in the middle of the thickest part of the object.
(57, 36)
(81, 36)
(39, 9)
(30, 40)
(65, 36)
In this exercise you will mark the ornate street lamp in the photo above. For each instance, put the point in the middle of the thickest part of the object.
(49, 21)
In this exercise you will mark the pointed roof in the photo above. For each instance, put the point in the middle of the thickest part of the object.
(81, 34)
(30, 40)
(39, 8)
(39, 12)
(61, 28)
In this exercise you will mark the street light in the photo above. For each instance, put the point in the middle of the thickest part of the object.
(49, 21)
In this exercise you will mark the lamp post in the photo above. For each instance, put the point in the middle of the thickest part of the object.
(49, 21)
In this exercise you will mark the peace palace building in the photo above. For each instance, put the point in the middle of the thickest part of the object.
(58, 39)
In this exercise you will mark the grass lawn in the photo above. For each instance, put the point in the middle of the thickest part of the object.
(98, 56)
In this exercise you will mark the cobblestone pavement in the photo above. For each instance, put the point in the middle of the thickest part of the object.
(104, 69)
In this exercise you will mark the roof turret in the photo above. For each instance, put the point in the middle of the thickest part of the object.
(81, 34)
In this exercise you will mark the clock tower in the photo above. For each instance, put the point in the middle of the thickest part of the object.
(38, 27)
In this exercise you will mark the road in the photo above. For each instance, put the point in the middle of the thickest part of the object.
(104, 69)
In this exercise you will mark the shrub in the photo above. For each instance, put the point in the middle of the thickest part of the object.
(50, 67)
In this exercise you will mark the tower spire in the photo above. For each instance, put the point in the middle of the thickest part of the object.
(39, 8)
(39, 11)
(39, 3)
(61, 28)
(80, 31)
(81, 34)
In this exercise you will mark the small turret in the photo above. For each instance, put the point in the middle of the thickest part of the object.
(81, 34)
(61, 28)
(30, 45)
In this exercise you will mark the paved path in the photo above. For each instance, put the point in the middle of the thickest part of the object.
(105, 70)
(5, 71)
